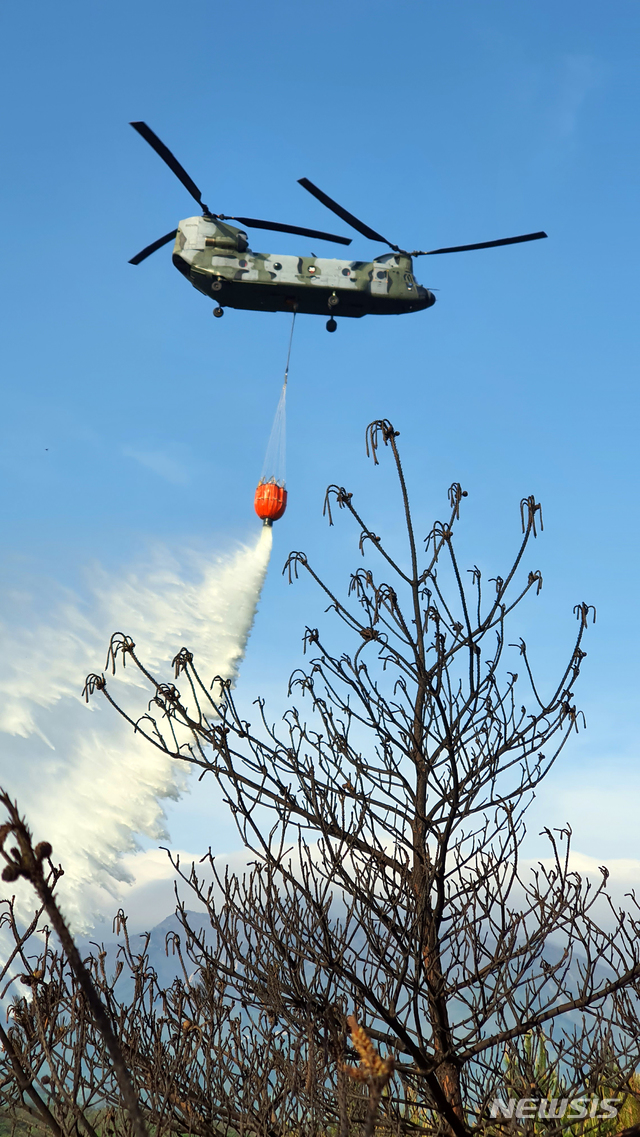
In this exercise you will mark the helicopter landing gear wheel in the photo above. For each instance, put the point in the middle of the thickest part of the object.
(333, 300)
(218, 312)
(331, 325)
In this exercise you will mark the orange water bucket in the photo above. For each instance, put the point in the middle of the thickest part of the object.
(270, 501)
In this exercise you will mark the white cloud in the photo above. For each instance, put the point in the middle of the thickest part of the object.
(159, 463)
(624, 877)
(580, 74)
(150, 896)
(623, 870)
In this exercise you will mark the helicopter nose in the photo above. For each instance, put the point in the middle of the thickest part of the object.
(429, 298)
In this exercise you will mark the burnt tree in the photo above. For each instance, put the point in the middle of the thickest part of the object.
(385, 816)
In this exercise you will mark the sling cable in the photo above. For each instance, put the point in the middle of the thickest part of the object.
(270, 499)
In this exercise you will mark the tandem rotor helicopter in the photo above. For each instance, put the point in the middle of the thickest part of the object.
(215, 257)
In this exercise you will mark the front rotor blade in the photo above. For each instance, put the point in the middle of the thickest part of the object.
(278, 228)
(154, 247)
(482, 245)
(344, 213)
(172, 162)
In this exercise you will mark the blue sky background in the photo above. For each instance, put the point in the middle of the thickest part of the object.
(132, 418)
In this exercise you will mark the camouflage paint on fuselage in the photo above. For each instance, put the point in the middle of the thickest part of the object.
(215, 257)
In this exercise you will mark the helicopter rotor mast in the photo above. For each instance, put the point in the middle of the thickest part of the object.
(367, 231)
(176, 168)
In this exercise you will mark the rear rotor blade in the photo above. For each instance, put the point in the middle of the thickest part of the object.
(172, 162)
(344, 213)
(154, 247)
(277, 228)
(481, 245)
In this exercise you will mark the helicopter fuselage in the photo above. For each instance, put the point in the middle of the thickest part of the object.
(216, 259)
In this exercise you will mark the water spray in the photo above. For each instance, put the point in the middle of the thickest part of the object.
(82, 776)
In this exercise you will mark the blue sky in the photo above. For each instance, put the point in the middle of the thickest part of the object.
(132, 419)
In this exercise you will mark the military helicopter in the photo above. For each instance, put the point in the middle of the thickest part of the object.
(215, 257)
